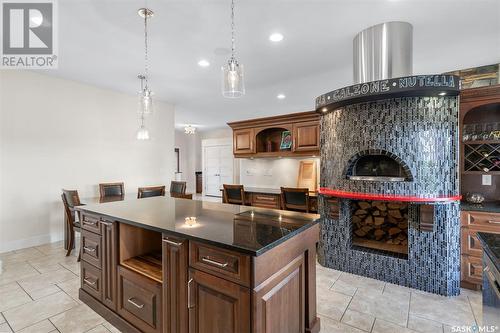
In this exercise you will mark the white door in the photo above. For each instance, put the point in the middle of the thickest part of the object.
(218, 168)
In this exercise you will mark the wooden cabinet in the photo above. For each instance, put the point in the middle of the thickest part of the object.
(109, 263)
(91, 280)
(91, 248)
(139, 300)
(279, 301)
(217, 305)
(262, 137)
(473, 222)
(265, 200)
(243, 141)
(175, 277)
(306, 136)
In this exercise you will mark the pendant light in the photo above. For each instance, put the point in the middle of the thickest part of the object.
(142, 133)
(233, 85)
(145, 95)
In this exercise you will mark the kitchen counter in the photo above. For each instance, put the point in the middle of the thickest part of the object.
(490, 206)
(215, 221)
(491, 245)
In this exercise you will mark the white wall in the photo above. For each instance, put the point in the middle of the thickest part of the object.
(187, 144)
(271, 173)
(56, 134)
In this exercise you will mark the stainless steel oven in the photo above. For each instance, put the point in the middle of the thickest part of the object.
(491, 293)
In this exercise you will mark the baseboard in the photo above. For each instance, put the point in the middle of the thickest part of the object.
(29, 242)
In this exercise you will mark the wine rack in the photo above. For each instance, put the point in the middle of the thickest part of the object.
(482, 156)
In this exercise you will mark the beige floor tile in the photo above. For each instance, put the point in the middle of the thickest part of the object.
(11, 273)
(424, 325)
(71, 287)
(77, 320)
(11, 295)
(332, 304)
(99, 329)
(329, 325)
(111, 328)
(391, 288)
(382, 326)
(325, 278)
(4, 328)
(362, 282)
(73, 266)
(448, 310)
(20, 256)
(476, 302)
(45, 326)
(2, 319)
(45, 291)
(344, 288)
(31, 313)
(46, 279)
(391, 307)
(359, 320)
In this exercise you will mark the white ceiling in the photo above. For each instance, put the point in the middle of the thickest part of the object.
(100, 42)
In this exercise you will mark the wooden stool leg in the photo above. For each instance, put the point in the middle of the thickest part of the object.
(71, 242)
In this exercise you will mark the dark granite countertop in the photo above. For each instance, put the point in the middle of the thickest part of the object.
(245, 229)
(490, 206)
(491, 245)
(270, 190)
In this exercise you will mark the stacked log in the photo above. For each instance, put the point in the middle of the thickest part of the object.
(385, 222)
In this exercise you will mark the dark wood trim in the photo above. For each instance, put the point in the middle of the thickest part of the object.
(178, 156)
(481, 92)
(106, 313)
(276, 120)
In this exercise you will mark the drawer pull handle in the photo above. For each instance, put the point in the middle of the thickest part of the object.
(108, 224)
(89, 249)
(190, 306)
(213, 262)
(131, 301)
(87, 281)
(90, 222)
(493, 222)
(168, 241)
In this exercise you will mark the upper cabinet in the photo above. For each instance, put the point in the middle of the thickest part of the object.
(295, 134)
(243, 141)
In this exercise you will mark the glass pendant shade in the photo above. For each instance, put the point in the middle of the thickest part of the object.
(142, 133)
(145, 102)
(233, 85)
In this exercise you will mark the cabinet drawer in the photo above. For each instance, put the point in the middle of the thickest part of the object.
(226, 264)
(481, 221)
(91, 223)
(91, 248)
(472, 269)
(139, 300)
(265, 200)
(91, 280)
(470, 243)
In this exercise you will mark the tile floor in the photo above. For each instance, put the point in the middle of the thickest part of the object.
(39, 294)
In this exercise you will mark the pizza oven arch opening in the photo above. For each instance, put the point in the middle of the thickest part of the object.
(377, 165)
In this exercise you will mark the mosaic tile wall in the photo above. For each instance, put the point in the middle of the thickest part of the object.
(422, 132)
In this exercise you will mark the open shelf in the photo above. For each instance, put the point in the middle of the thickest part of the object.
(148, 265)
(141, 251)
(269, 140)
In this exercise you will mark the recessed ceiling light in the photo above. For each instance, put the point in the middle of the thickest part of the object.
(203, 63)
(324, 109)
(276, 37)
(281, 96)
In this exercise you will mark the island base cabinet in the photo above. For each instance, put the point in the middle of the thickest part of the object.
(139, 301)
(175, 277)
(217, 305)
(279, 301)
(109, 241)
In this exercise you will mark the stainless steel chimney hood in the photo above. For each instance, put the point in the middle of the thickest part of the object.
(383, 51)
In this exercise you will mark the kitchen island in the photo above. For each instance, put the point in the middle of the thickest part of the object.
(175, 265)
